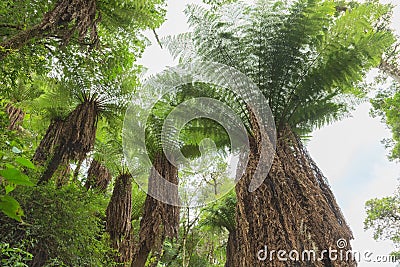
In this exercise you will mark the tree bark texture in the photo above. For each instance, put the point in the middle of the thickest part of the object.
(16, 116)
(160, 220)
(118, 217)
(293, 209)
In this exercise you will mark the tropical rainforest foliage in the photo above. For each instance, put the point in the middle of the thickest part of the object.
(67, 75)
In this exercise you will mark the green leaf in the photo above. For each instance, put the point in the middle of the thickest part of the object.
(10, 207)
(16, 177)
(9, 188)
(25, 162)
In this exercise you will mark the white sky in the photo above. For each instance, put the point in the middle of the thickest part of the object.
(349, 152)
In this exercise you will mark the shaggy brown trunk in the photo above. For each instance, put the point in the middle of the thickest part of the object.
(230, 249)
(119, 213)
(293, 209)
(77, 137)
(159, 220)
(16, 116)
(49, 142)
(98, 176)
(80, 13)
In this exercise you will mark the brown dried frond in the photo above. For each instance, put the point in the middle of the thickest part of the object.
(118, 217)
(293, 209)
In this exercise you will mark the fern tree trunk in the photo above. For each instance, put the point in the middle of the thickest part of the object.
(230, 249)
(49, 142)
(80, 13)
(99, 177)
(76, 139)
(294, 209)
(119, 213)
(16, 116)
(63, 175)
(159, 220)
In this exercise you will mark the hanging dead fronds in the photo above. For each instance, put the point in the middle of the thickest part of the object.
(77, 137)
(98, 176)
(63, 175)
(159, 220)
(49, 141)
(16, 116)
(119, 213)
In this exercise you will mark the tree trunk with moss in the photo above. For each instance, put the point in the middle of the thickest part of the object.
(64, 20)
(293, 209)
(49, 142)
(230, 249)
(16, 116)
(119, 213)
(160, 220)
(63, 175)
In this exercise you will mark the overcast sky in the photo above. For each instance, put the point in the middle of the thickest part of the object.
(349, 152)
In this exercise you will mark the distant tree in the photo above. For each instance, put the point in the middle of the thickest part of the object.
(383, 218)
(386, 103)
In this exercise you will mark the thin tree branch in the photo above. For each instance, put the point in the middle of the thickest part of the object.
(157, 38)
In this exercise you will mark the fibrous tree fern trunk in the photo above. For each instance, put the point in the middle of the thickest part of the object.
(230, 249)
(49, 141)
(98, 176)
(77, 137)
(66, 18)
(16, 116)
(160, 220)
(294, 209)
(119, 213)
